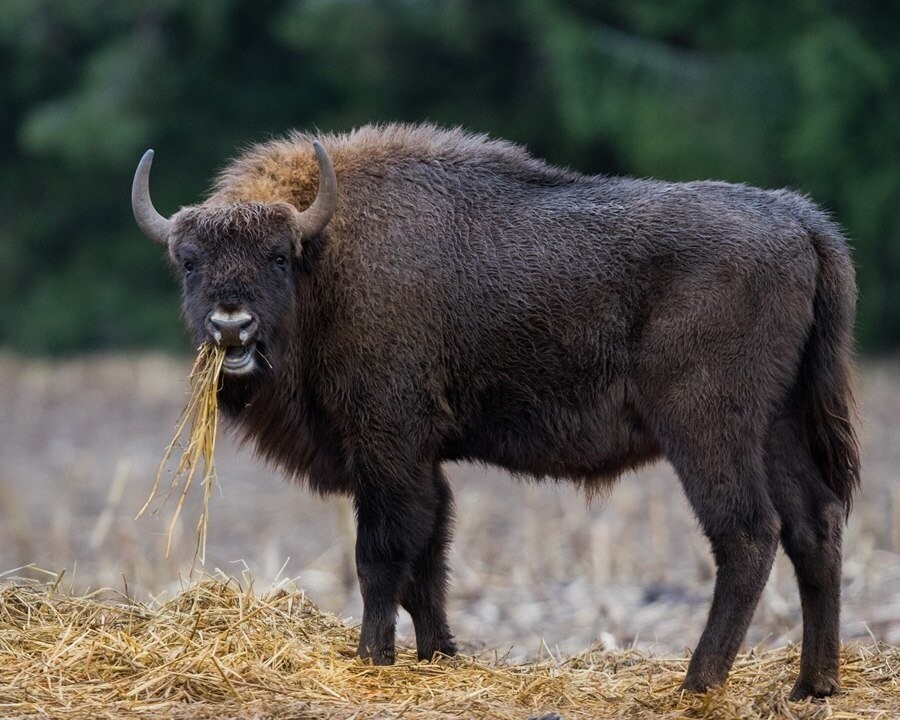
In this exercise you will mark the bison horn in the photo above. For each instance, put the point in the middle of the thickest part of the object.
(313, 220)
(152, 224)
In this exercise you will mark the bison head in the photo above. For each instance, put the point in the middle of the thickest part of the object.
(237, 263)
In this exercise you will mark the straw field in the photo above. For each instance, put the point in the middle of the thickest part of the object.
(569, 608)
(219, 650)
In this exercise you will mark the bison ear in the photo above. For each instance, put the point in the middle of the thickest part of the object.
(313, 220)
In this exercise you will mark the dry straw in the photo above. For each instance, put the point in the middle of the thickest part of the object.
(219, 650)
(196, 434)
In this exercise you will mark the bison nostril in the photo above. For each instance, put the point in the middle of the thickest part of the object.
(247, 331)
(232, 328)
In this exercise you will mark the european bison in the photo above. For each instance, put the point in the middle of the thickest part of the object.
(445, 296)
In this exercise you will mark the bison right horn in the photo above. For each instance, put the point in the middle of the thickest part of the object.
(152, 224)
(313, 220)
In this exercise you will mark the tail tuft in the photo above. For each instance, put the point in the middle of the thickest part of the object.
(827, 377)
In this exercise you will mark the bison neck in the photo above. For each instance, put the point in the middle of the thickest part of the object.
(282, 419)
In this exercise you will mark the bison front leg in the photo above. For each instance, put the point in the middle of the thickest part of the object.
(812, 519)
(396, 512)
(424, 596)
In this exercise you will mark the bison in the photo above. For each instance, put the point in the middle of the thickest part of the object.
(401, 296)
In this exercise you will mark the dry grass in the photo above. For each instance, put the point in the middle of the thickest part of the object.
(81, 440)
(220, 650)
(195, 433)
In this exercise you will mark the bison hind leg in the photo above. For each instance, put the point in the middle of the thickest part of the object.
(726, 487)
(812, 519)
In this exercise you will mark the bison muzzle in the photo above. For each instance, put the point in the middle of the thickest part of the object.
(402, 296)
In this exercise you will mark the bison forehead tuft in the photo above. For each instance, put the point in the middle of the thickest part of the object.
(251, 222)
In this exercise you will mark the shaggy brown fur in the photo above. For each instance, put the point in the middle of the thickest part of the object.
(469, 302)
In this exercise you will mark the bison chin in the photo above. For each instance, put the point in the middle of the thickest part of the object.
(244, 372)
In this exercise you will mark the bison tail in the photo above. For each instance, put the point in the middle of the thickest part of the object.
(827, 377)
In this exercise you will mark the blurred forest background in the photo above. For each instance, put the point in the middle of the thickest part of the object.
(803, 94)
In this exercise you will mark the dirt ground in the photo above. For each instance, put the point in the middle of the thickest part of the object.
(537, 569)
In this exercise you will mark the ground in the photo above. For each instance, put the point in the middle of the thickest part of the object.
(537, 570)
(221, 650)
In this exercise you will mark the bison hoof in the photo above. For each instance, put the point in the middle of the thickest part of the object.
(379, 658)
(818, 688)
(448, 648)
(445, 648)
(698, 684)
(375, 656)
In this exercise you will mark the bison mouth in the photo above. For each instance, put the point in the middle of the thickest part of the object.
(240, 359)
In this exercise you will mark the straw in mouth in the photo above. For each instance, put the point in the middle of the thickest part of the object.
(198, 426)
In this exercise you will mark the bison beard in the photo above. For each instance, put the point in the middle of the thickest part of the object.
(444, 296)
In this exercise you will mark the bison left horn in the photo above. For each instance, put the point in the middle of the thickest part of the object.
(313, 220)
(152, 224)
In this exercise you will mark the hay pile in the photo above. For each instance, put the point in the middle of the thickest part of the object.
(220, 650)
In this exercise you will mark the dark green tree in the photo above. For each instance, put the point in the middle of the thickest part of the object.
(804, 95)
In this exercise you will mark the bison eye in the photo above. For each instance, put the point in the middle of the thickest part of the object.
(188, 267)
(280, 260)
